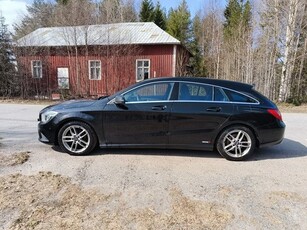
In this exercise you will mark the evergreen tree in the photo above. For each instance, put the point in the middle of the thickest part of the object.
(238, 17)
(7, 68)
(247, 14)
(63, 2)
(179, 23)
(159, 17)
(238, 41)
(197, 62)
(180, 26)
(147, 13)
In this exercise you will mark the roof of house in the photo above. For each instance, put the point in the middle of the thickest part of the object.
(138, 33)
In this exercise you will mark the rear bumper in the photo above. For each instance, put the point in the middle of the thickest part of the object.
(271, 143)
(272, 136)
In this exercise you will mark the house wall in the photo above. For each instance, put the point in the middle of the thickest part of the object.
(118, 67)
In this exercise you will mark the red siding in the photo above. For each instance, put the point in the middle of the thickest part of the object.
(118, 69)
(161, 60)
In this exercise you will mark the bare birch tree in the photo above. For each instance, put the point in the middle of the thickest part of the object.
(294, 10)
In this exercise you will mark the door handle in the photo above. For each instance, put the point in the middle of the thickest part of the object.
(159, 107)
(214, 109)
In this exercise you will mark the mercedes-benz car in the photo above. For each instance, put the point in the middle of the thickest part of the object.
(167, 113)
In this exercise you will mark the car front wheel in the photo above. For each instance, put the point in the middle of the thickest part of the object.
(77, 138)
(236, 143)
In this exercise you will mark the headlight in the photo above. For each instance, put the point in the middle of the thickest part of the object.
(47, 116)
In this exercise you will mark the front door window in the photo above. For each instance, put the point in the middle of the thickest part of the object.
(150, 93)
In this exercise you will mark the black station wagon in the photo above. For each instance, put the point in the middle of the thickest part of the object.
(172, 113)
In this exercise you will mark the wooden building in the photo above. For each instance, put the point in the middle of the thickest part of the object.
(97, 60)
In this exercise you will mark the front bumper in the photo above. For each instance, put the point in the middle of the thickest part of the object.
(46, 133)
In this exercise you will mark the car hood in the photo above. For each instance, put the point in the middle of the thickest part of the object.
(72, 104)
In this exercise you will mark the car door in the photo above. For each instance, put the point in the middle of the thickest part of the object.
(142, 120)
(195, 117)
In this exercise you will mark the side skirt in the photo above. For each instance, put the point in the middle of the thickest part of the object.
(144, 146)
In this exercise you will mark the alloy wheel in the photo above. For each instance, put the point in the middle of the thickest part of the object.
(76, 139)
(237, 143)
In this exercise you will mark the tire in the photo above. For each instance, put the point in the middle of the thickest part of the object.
(236, 143)
(77, 138)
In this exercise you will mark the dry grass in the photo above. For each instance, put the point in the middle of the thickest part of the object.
(48, 201)
(290, 108)
(14, 159)
(29, 101)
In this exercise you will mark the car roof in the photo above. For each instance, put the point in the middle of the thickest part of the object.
(223, 83)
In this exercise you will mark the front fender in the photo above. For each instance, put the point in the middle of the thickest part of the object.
(93, 119)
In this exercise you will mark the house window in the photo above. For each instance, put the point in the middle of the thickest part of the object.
(142, 69)
(63, 78)
(95, 70)
(37, 69)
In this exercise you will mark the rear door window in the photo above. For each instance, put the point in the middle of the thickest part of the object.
(196, 92)
(219, 95)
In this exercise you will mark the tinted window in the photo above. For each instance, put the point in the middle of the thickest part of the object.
(238, 97)
(152, 92)
(219, 95)
(190, 91)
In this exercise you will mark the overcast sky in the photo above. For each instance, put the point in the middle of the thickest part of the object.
(13, 10)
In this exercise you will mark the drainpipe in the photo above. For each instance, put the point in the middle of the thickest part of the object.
(174, 60)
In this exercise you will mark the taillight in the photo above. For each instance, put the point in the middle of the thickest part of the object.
(275, 113)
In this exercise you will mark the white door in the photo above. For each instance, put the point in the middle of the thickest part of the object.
(63, 78)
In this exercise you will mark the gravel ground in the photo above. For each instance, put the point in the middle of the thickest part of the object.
(43, 188)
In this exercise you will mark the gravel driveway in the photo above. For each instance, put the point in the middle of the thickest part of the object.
(43, 188)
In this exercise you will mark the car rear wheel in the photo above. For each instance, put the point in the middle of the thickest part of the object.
(77, 138)
(236, 143)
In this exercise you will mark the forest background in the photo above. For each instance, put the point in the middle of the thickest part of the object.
(260, 42)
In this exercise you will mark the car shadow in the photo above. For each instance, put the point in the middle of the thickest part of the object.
(149, 152)
(156, 152)
(287, 149)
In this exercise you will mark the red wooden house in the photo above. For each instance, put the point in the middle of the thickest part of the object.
(97, 59)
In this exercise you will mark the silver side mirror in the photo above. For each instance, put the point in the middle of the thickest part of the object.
(119, 100)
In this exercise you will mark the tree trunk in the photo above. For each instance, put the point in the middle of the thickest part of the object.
(284, 91)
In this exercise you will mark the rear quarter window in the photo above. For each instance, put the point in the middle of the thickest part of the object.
(238, 97)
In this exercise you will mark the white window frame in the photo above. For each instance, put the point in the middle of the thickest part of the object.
(61, 78)
(33, 68)
(136, 69)
(90, 72)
